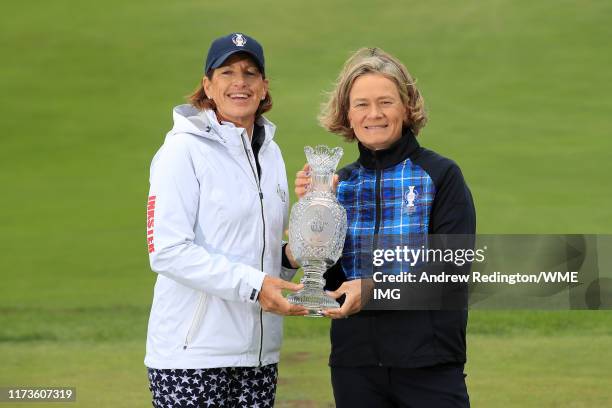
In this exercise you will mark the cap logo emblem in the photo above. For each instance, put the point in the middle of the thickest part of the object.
(239, 40)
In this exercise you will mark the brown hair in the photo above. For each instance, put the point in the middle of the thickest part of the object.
(334, 113)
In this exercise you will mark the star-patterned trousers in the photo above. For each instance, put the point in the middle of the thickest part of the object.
(214, 387)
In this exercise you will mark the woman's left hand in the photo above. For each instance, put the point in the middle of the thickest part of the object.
(355, 298)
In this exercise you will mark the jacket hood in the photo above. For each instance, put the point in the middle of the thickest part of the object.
(204, 123)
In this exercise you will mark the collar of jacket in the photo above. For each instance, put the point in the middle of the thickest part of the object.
(394, 154)
(188, 119)
(221, 128)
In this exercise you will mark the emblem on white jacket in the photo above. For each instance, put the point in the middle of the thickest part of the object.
(282, 194)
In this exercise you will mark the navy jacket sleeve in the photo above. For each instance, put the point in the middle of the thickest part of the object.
(452, 225)
(453, 208)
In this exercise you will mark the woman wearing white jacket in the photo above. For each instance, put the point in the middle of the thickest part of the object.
(216, 213)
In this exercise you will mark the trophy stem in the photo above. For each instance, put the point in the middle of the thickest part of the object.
(313, 274)
(312, 296)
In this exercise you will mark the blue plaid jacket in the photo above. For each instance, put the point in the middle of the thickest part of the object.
(405, 195)
(405, 191)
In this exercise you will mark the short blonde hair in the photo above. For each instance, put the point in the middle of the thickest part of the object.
(334, 113)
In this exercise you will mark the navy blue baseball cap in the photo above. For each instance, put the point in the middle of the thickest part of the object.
(224, 47)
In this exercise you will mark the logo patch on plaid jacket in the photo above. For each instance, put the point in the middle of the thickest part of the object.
(409, 199)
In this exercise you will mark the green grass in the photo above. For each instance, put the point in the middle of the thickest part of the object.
(98, 350)
(518, 93)
(520, 370)
(535, 371)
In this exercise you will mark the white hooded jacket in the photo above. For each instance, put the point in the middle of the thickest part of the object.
(214, 230)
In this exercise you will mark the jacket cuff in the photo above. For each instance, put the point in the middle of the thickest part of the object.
(286, 263)
(251, 286)
(287, 273)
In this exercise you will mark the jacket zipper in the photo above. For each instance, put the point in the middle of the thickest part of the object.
(263, 249)
(378, 193)
(195, 321)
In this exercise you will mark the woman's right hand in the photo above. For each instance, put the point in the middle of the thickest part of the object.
(271, 298)
(302, 181)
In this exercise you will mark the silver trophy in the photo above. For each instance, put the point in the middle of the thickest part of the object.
(317, 227)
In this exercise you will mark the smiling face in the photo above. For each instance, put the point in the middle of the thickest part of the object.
(376, 111)
(237, 87)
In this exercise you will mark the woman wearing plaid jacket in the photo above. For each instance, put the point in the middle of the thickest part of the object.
(391, 358)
